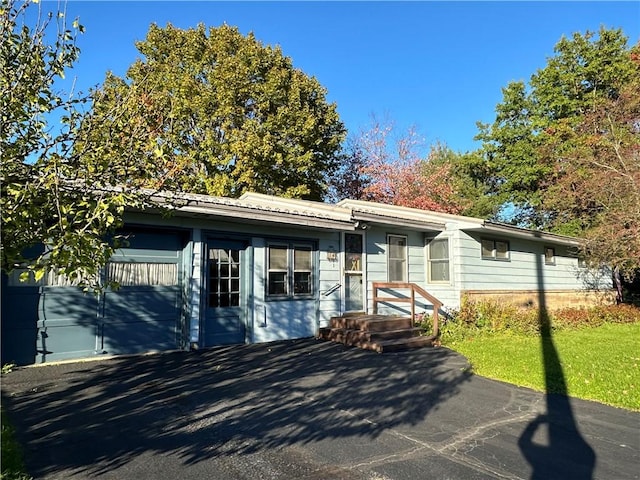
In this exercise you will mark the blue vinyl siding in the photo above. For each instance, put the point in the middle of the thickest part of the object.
(521, 271)
(376, 248)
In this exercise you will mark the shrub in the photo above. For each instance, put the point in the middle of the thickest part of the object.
(12, 463)
(595, 316)
(487, 316)
(493, 316)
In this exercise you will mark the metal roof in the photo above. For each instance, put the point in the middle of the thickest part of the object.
(513, 231)
(346, 215)
(260, 209)
(403, 216)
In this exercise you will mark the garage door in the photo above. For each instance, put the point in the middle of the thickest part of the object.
(144, 314)
(51, 320)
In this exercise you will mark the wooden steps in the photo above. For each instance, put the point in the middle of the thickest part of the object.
(380, 333)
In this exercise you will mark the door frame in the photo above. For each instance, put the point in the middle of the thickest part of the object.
(246, 283)
(344, 271)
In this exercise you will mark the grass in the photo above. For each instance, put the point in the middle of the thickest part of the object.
(600, 363)
(12, 465)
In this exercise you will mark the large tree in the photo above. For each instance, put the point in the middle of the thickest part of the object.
(58, 204)
(596, 181)
(225, 113)
(564, 150)
(518, 166)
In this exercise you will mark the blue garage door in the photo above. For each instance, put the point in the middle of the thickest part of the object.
(44, 321)
(144, 314)
(19, 321)
(51, 320)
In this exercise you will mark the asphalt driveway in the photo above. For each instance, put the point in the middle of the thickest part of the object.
(307, 410)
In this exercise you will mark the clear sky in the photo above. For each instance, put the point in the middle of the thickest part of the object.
(437, 65)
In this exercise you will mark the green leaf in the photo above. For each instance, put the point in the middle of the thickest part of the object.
(39, 274)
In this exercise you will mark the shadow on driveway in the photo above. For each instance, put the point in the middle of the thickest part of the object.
(93, 417)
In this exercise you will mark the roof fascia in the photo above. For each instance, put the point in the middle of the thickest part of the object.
(519, 232)
(366, 218)
(204, 205)
(397, 210)
(258, 216)
(295, 204)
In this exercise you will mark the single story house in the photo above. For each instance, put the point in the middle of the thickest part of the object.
(261, 268)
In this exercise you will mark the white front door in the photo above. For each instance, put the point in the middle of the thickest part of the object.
(353, 272)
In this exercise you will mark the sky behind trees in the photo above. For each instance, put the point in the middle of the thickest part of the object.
(437, 65)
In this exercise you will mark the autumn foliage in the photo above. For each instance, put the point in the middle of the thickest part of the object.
(597, 179)
(394, 171)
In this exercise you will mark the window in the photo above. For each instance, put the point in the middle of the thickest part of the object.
(289, 270)
(438, 253)
(353, 252)
(397, 258)
(224, 277)
(495, 249)
(549, 256)
(128, 274)
(578, 255)
(302, 271)
(278, 270)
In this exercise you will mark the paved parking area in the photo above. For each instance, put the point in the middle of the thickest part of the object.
(307, 410)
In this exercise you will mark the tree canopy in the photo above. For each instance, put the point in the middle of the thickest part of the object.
(596, 182)
(586, 70)
(564, 150)
(380, 166)
(224, 113)
(212, 112)
(41, 202)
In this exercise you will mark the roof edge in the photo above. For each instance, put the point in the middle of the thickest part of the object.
(521, 232)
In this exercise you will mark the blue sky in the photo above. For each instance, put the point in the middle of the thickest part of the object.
(437, 65)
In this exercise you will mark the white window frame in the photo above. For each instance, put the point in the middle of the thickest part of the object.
(290, 270)
(294, 270)
(430, 260)
(405, 270)
(549, 260)
(494, 250)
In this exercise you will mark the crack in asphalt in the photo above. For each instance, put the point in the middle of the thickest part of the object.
(459, 446)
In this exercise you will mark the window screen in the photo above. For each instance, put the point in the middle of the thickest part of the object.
(397, 258)
(290, 270)
(439, 260)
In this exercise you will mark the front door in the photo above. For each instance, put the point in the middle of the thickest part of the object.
(225, 299)
(354, 288)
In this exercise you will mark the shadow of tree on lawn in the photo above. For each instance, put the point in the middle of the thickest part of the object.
(552, 443)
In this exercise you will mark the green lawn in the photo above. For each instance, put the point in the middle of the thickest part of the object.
(601, 363)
